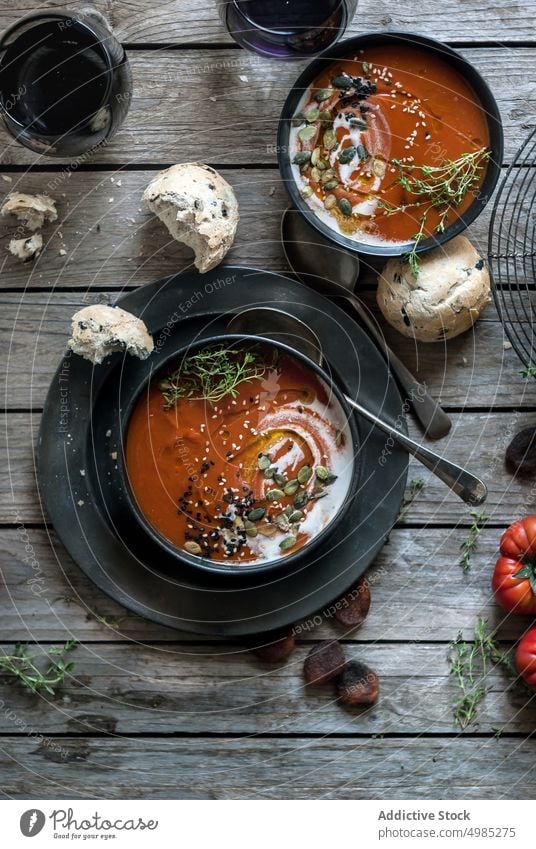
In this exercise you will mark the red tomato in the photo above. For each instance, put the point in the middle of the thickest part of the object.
(525, 658)
(514, 578)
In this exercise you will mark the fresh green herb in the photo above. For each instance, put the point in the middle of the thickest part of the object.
(27, 668)
(470, 664)
(528, 371)
(442, 186)
(411, 493)
(211, 374)
(469, 544)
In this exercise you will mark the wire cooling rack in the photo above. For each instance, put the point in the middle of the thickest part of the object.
(512, 253)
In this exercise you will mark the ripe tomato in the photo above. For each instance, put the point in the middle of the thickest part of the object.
(525, 657)
(514, 578)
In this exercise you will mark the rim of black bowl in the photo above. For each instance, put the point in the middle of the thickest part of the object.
(281, 563)
(483, 95)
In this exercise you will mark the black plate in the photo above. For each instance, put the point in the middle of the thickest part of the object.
(79, 437)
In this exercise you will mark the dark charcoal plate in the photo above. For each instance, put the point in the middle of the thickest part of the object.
(80, 432)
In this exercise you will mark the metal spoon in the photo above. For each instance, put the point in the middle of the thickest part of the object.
(333, 271)
(282, 327)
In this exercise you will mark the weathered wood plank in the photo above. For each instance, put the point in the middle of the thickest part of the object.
(269, 769)
(198, 22)
(473, 370)
(122, 244)
(418, 591)
(199, 690)
(476, 441)
(171, 119)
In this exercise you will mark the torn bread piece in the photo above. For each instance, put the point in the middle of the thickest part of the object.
(26, 249)
(33, 210)
(99, 330)
(198, 207)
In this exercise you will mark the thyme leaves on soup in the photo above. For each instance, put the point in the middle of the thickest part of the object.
(212, 373)
(436, 187)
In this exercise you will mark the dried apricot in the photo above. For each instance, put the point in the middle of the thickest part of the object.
(521, 453)
(324, 662)
(274, 647)
(352, 608)
(358, 684)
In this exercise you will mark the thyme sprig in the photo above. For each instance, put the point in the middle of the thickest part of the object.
(415, 486)
(443, 187)
(470, 663)
(470, 543)
(212, 373)
(27, 668)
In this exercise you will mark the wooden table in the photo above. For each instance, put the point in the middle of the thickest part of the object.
(152, 713)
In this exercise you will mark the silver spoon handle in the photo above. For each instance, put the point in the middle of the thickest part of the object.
(433, 419)
(466, 485)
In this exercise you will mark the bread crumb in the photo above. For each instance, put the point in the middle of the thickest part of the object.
(80, 502)
(507, 346)
(108, 432)
(7, 179)
(244, 78)
(26, 249)
(113, 455)
(32, 210)
(62, 251)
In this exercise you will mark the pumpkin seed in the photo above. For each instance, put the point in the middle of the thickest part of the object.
(345, 206)
(302, 157)
(312, 114)
(282, 522)
(330, 479)
(322, 473)
(331, 184)
(322, 94)
(280, 479)
(330, 202)
(320, 494)
(256, 514)
(359, 123)
(291, 487)
(288, 542)
(366, 67)
(296, 516)
(322, 165)
(362, 152)
(315, 156)
(263, 462)
(306, 192)
(301, 499)
(267, 530)
(192, 547)
(329, 139)
(328, 175)
(315, 175)
(346, 155)
(298, 119)
(288, 510)
(342, 81)
(326, 119)
(275, 494)
(250, 528)
(307, 133)
(304, 474)
(269, 473)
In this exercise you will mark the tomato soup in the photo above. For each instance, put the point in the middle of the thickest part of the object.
(244, 464)
(368, 129)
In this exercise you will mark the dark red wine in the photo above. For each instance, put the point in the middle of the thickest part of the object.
(63, 84)
(288, 29)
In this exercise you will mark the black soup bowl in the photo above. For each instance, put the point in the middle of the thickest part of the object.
(336, 406)
(348, 49)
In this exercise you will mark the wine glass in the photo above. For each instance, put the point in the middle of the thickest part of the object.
(287, 29)
(65, 82)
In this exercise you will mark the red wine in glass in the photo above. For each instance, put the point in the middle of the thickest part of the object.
(287, 29)
(65, 82)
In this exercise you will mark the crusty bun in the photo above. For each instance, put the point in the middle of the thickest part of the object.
(99, 330)
(198, 207)
(450, 293)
